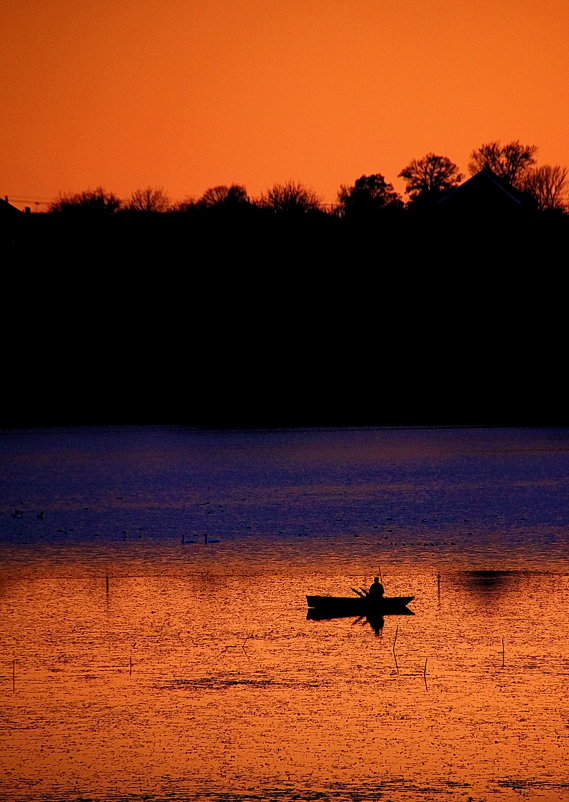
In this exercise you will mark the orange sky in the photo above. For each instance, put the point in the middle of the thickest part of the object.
(187, 94)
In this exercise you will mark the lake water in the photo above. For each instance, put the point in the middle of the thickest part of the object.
(154, 639)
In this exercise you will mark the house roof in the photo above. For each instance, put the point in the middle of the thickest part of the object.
(485, 188)
(7, 208)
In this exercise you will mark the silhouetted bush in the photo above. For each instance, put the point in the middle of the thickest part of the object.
(291, 199)
(148, 200)
(90, 202)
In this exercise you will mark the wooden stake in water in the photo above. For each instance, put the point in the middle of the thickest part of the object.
(13, 675)
(503, 654)
(425, 673)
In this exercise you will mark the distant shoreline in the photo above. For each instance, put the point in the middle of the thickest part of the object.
(282, 427)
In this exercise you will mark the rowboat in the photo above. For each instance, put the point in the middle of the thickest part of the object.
(340, 606)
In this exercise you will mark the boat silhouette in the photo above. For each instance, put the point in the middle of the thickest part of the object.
(364, 609)
(345, 606)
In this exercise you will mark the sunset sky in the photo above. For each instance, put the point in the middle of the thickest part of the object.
(188, 94)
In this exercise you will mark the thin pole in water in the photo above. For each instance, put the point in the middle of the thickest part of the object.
(503, 654)
(425, 673)
(13, 675)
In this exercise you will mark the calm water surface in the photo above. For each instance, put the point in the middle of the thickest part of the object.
(154, 640)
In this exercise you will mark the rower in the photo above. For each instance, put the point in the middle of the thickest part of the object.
(376, 589)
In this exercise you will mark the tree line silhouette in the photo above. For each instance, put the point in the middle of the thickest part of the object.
(427, 180)
(371, 225)
(278, 310)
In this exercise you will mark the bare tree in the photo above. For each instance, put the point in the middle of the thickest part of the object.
(151, 199)
(549, 186)
(510, 162)
(427, 178)
(290, 198)
(90, 201)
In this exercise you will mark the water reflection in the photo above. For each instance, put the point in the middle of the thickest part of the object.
(150, 670)
(491, 586)
(491, 580)
(143, 666)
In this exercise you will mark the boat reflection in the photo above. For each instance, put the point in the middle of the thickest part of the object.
(375, 621)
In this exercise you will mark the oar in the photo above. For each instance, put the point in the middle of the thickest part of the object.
(365, 592)
(358, 593)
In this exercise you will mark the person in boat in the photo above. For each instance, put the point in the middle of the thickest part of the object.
(376, 589)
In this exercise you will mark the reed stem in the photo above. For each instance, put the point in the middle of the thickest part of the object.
(393, 650)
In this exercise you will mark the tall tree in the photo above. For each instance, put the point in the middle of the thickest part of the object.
(427, 178)
(510, 162)
(369, 195)
(549, 186)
